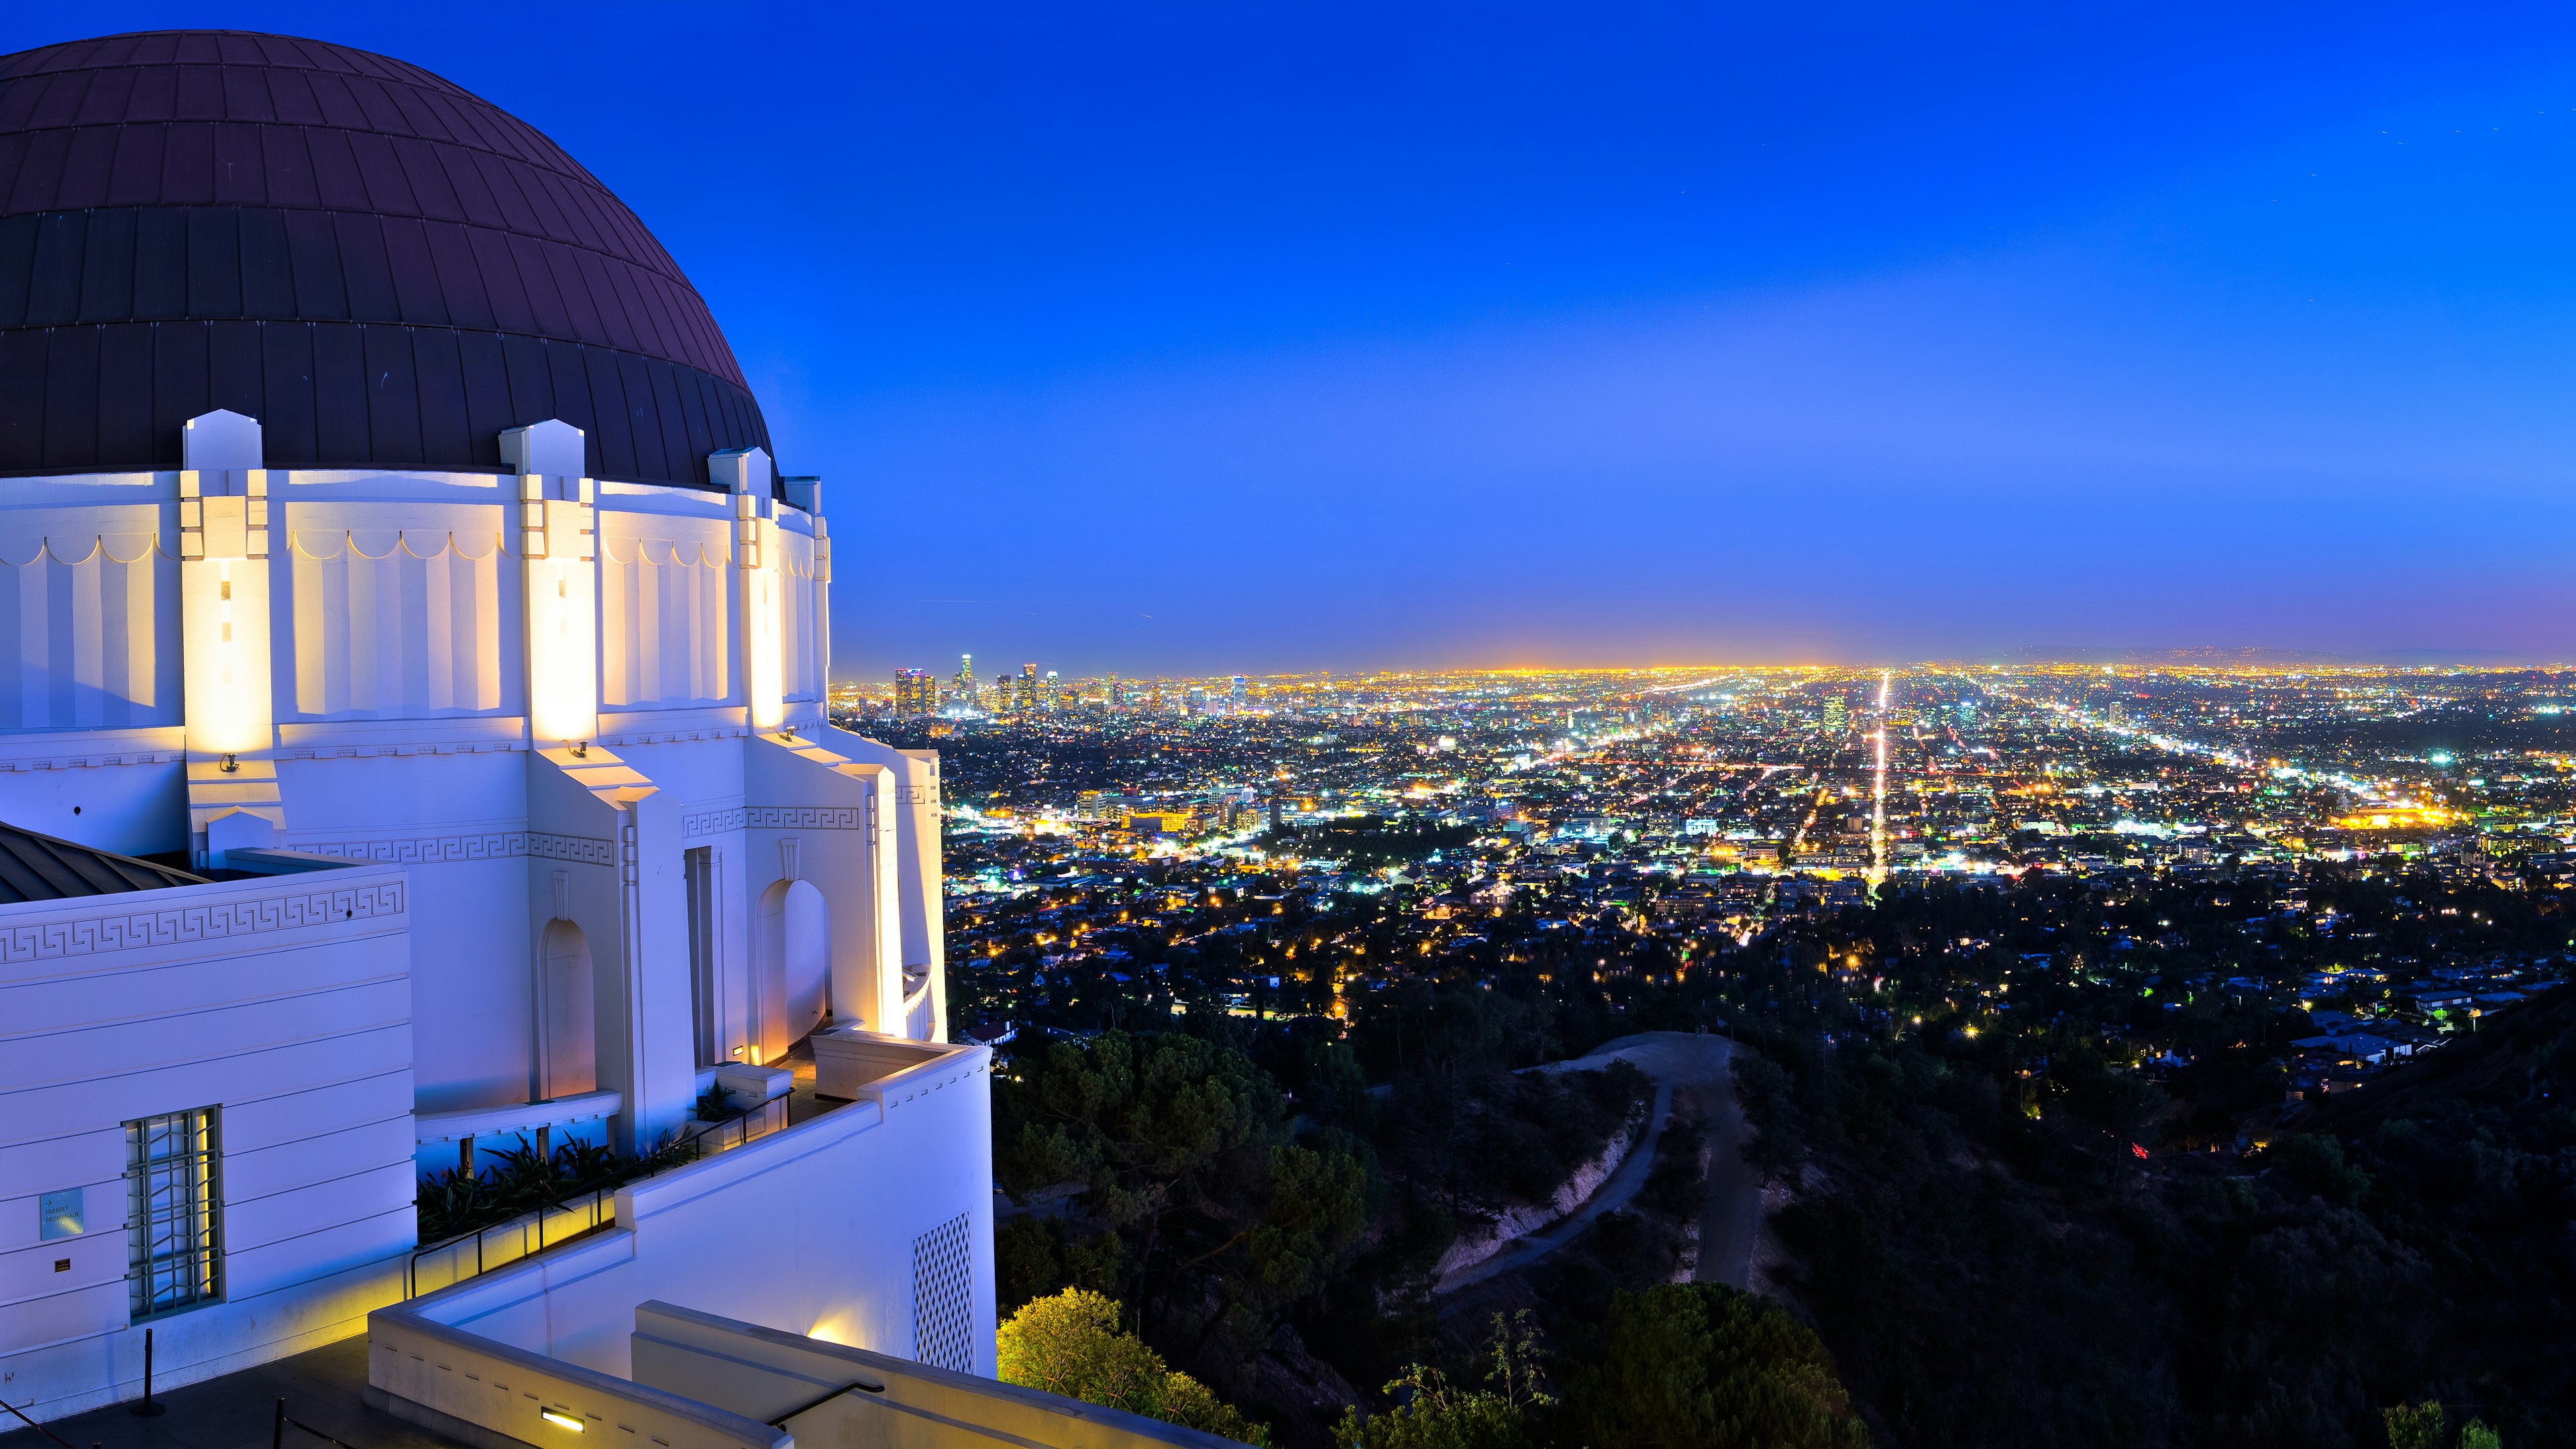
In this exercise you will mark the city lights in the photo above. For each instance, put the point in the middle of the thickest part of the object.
(1507, 816)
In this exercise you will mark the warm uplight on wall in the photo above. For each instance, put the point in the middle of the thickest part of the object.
(563, 655)
(765, 614)
(229, 652)
(226, 623)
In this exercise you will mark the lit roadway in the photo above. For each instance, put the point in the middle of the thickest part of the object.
(1878, 790)
(2369, 791)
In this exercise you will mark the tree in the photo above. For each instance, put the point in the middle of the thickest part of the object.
(1430, 1413)
(1136, 1126)
(1702, 1366)
(2426, 1426)
(1186, 1195)
(2422, 1426)
(1069, 1344)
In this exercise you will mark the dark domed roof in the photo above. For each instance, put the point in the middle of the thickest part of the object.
(383, 269)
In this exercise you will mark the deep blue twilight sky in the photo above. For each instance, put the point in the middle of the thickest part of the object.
(1265, 337)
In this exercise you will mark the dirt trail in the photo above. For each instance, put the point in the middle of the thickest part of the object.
(1678, 1062)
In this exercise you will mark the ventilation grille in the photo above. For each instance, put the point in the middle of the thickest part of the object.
(943, 1298)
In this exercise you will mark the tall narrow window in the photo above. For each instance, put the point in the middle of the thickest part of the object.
(705, 980)
(174, 1252)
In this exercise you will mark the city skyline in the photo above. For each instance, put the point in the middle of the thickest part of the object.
(1185, 341)
(2179, 662)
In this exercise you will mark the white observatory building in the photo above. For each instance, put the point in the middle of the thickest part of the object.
(412, 747)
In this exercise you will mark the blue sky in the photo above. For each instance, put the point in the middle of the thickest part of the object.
(1216, 338)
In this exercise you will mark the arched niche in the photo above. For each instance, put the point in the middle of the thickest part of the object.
(795, 963)
(571, 1063)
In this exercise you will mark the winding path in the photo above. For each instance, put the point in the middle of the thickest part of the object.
(1678, 1062)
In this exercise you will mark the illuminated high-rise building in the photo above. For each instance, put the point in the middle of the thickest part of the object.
(1238, 694)
(915, 693)
(966, 680)
(1054, 695)
(1834, 714)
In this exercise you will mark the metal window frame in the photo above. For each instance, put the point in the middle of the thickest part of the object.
(174, 1222)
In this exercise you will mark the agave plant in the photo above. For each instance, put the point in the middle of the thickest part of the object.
(584, 1165)
(450, 1203)
(519, 1180)
(521, 1173)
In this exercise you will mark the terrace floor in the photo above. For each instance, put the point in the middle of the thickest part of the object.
(238, 1411)
(802, 1104)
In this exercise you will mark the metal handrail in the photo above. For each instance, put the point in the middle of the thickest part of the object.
(742, 1119)
(810, 1405)
(411, 1269)
(277, 1431)
(599, 1194)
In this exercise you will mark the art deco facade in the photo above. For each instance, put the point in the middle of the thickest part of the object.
(391, 550)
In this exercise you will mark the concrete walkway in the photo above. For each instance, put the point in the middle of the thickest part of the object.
(239, 1410)
(1678, 1062)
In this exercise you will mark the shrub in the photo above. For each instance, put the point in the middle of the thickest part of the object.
(1070, 1344)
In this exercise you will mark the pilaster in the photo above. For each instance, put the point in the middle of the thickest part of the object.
(759, 581)
(233, 798)
(559, 568)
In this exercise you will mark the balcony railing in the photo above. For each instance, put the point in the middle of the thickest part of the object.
(467, 1255)
(730, 1132)
(439, 1265)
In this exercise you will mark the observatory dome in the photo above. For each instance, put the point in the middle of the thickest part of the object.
(382, 268)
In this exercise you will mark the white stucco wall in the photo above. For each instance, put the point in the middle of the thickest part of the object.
(283, 1002)
(810, 1231)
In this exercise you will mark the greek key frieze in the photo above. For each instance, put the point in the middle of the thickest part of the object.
(213, 921)
(583, 849)
(805, 817)
(711, 822)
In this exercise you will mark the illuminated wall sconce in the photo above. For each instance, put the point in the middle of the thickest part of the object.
(562, 1420)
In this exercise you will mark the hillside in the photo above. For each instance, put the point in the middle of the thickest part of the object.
(1987, 1276)
(2516, 1061)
